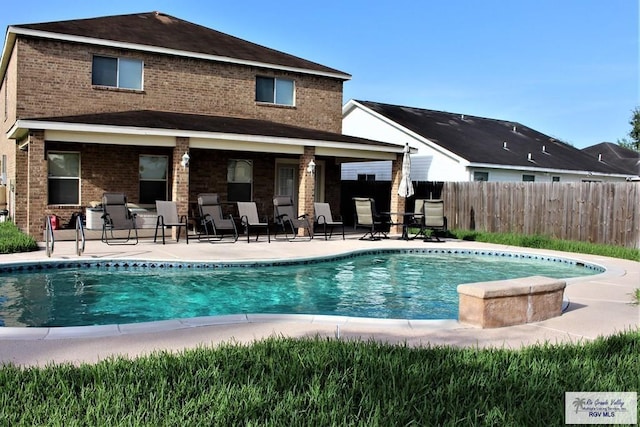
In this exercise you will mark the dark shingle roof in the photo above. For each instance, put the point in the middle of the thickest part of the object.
(156, 29)
(205, 123)
(481, 140)
(614, 154)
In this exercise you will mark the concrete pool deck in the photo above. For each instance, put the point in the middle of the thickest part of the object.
(600, 305)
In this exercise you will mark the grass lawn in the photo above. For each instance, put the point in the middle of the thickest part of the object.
(322, 382)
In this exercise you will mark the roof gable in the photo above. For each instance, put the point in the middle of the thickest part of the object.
(615, 154)
(490, 141)
(158, 30)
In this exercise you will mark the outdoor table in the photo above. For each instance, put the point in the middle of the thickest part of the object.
(405, 226)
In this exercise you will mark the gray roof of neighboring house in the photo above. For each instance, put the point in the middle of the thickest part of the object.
(614, 154)
(481, 140)
(155, 29)
(214, 124)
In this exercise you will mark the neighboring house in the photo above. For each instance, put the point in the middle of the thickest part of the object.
(620, 157)
(459, 147)
(114, 104)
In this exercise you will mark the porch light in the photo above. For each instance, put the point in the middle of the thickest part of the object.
(185, 160)
(311, 167)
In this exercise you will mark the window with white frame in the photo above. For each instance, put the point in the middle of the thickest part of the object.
(3, 170)
(124, 73)
(152, 173)
(528, 178)
(63, 178)
(481, 176)
(6, 99)
(275, 90)
(239, 180)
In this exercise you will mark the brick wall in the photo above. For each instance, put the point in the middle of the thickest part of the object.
(209, 175)
(115, 168)
(55, 79)
(36, 186)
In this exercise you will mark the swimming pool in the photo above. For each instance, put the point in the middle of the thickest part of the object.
(406, 284)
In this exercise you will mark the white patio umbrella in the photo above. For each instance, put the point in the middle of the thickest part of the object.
(406, 186)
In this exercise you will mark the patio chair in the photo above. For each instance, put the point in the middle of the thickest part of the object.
(249, 219)
(286, 217)
(415, 221)
(324, 218)
(432, 220)
(168, 217)
(214, 223)
(377, 226)
(116, 216)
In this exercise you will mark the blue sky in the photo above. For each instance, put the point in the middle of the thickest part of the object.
(567, 68)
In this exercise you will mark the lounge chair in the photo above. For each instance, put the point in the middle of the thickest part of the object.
(214, 223)
(432, 219)
(324, 218)
(249, 219)
(377, 226)
(116, 216)
(287, 218)
(168, 217)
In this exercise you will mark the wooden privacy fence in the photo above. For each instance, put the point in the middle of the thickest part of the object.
(597, 212)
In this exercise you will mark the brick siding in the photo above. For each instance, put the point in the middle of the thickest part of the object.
(55, 80)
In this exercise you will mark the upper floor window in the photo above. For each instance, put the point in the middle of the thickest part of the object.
(6, 99)
(124, 73)
(274, 90)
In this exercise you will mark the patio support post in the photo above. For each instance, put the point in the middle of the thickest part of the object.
(21, 188)
(34, 162)
(397, 203)
(180, 187)
(306, 191)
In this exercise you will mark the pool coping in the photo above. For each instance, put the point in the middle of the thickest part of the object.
(112, 330)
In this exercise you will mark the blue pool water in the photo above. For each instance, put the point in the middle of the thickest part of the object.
(383, 285)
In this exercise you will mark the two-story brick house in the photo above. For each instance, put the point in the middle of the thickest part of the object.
(114, 103)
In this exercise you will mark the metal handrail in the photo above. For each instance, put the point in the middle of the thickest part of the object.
(48, 236)
(80, 238)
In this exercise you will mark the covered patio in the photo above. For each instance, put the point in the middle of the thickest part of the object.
(154, 155)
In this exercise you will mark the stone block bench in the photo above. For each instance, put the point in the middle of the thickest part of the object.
(510, 302)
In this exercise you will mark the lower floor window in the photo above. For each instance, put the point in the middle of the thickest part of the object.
(63, 178)
(153, 171)
(239, 180)
(481, 176)
(366, 177)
